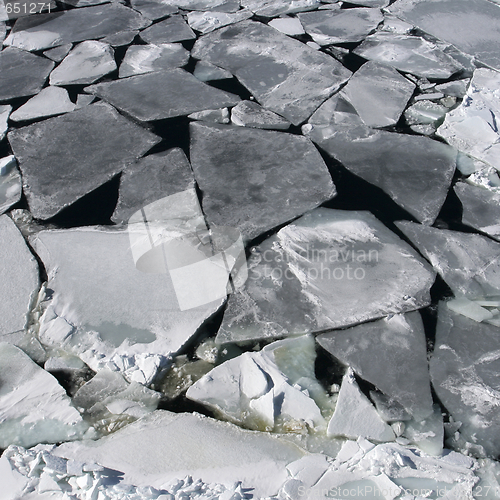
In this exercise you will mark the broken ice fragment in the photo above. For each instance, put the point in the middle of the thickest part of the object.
(464, 372)
(388, 408)
(86, 63)
(291, 80)
(34, 408)
(211, 115)
(43, 31)
(90, 145)
(469, 263)
(378, 93)
(4, 117)
(150, 179)
(425, 112)
(410, 54)
(10, 183)
(469, 308)
(20, 281)
(120, 317)
(274, 8)
(456, 88)
(57, 54)
(154, 9)
(172, 29)
(240, 170)
(340, 26)
(206, 72)
(163, 446)
(472, 127)
(120, 39)
(288, 25)
(205, 22)
(355, 416)
(398, 344)
(49, 102)
(474, 29)
(141, 59)
(328, 269)
(481, 208)
(414, 171)
(21, 73)
(251, 114)
(162, 94)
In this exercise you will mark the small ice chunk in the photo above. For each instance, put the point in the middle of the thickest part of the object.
(288, 25)
(84, 100)
(206, 72)
(49, 102)
(481, 208)
(4, 117)
(141, 59)
(251, 114)
(154, 9)
(86, 63)
(355, 416)
(274, 8)
(469, 308)
(10, 183)
(425, 112)
(211, 115)
(57, 54)
(410, 54)
(378, 93)
(456, 88)
(205, 22)
(427, 434)
(388, 408)
(431, 96)
(34, 408)
(340, 26)
(120, 39)
(172, 29)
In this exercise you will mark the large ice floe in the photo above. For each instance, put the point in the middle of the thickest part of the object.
(250, 249)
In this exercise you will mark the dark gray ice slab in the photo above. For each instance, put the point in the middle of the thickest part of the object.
(20, 281)
(57, 54)
(410, 54)
(162, 94)
(64, 158)
(153, 9)
(464, 370)
(21, 73)
(378, 93)
(414, 171)
(140, 59)
(391, 354)
(252, 114)
(274, 8)
(292, 79)
(253, 179)
(120, 39)
(481, 208)
(340, 26)
(205, 22)
(328, 269)
(4, 119)
(205, 72)
(173, 29)
(151, 178)
(42, 31)
(472, 26)
(469, 263)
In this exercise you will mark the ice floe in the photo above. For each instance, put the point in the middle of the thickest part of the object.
(172, 29)
(10, 183)
(251, 114)
(205, 22)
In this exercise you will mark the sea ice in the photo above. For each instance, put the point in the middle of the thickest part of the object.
(172, 29)
(107, 311)
(481, 208)
(240, 171)
(150, 179)
(10, 183)
(270, 390)
(205, 22)
(291, 80)
(34, 408)
(410, 54)
(20, 282)
(414, 171)
(274, 8)
(4, 118)
(288, 25)
(472, 127)
(474, 28)
(63, 158)
(378, 93)
(328, 269)
(252, 114)
(154, 9)
(43, 31)
(425, 112)
(141, 59)
(57, 54)
(206, 72)
(163, 446)
(340, 26)
(86, 63)
(49, 102)
(398, 344)
(220, 115)
(162, 94)
(21, 73)
(120, 39)
(355, 416)
(464, 372)
(469, 263)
